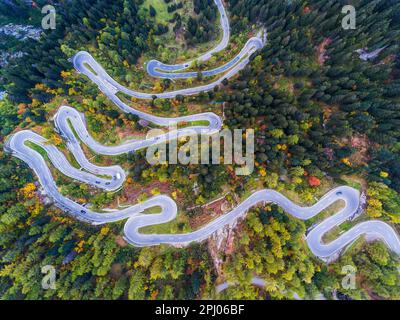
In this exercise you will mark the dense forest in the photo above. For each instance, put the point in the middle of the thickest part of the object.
(322, 117)
(80, 24)
(203, 27)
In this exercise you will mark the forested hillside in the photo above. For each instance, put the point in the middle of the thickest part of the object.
(322, 116)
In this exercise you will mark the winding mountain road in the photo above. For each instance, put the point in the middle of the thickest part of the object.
(84, 63)
(165, 70)
(260, 282)
(68, 118)
(136, 219)
(158, 70)
(115, 173)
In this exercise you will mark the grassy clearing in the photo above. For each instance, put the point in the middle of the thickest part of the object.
(162, 16)
(193, 123)
(153, 210)
(354, 182)
(178, 225)
(71, 159)
(330, 211)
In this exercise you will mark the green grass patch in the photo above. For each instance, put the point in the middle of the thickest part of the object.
(38, 149)
(178, 225)
(90, 69)
(352, 181)
(193, 123)
(162, 16)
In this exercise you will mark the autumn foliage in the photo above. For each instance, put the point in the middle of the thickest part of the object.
(314, 181)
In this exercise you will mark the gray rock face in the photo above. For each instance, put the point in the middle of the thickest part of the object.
(364, 55)
(5, 57)
(21, 32)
